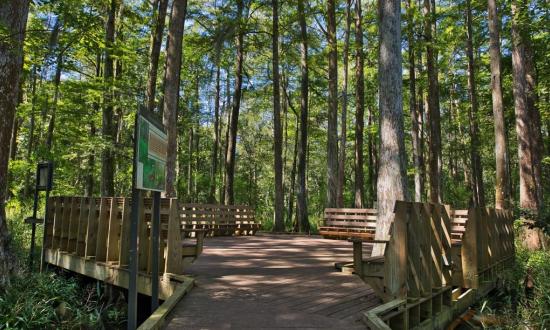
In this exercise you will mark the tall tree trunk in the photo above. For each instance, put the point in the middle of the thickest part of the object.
(502, 188)
(296, 225)
(372, 170)
(478, 192)
(13, 19)
(108, 128)
(415, 134)
(226, 146)
(90, 175)
(279, 224)
(302, 205)
(156, 42)
(234, 124)
(528, 194)
(223, 153)
(332, 130)
(531, 98)
(420, 120)
(359, 109)
(392, 176)
(30, 144)
(13, 140)
(56, 83)
(171, 90)
(214, 163)
(190, 138)
(344, 121)
(435, 164)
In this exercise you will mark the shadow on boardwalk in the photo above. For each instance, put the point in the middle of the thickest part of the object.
(273, 282)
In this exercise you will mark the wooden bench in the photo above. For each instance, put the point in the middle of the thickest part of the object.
(219, 220)
(436, 263)
(347, 223)
(413, 270)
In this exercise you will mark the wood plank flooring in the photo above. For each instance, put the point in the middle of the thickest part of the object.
(273, 282)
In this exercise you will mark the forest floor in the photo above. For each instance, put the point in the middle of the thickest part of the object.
(273, 282)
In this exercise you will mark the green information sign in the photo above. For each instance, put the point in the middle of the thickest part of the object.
(151, 155)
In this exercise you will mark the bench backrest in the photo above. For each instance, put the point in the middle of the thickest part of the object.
(215, 216)
(350, 218)
(459, 218)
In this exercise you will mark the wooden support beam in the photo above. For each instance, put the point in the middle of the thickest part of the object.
(113, 275)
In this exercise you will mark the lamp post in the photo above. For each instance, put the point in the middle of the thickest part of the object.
(44, 179)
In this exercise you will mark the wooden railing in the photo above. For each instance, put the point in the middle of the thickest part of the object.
(90, 236)
(482, 245)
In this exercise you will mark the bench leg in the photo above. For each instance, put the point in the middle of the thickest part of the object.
(200, 241)
(358, 258)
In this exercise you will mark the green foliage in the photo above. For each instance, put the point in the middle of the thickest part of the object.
(514, 304)
(50, 301)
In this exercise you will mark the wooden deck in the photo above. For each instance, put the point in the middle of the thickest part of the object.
(273, 282)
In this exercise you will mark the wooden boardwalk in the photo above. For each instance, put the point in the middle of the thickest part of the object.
(273, 282)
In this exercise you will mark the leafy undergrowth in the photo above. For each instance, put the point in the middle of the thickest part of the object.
(53, 301)
(523, 299)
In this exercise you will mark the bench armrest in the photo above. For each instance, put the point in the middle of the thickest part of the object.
(382, 241)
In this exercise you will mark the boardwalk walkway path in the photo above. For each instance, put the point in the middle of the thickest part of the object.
(273, 282)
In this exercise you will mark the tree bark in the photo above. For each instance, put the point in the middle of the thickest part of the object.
(415, 131)
(332, 130)
(156, 42)
(171, 90)
(343, 124)
(302, 205)
(435, 161)
(13, 18)
(107, 128)
(214, 163)
(279, 224)
(359, 108)
(234, 124)
(478, 192)
(392, 176)
(502, 189)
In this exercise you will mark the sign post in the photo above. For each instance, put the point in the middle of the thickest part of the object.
(150, 149)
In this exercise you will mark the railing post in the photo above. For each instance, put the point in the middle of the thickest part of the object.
(396, 254)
